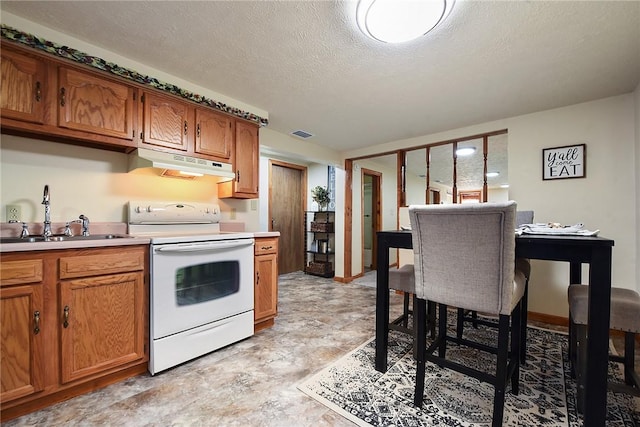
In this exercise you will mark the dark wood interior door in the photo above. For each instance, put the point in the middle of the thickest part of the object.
(287, 183)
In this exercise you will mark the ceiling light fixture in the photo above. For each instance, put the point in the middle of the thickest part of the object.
(397, 21)
(492, 174)
(465, 151)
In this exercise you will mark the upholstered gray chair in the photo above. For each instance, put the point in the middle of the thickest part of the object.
(464, 256)
(403, 279)
(625, 316)
(524, 266)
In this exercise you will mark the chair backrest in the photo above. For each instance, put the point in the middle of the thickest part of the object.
(524, 217)
(464, 255)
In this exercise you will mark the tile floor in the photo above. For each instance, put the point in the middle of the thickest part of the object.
(251, 383)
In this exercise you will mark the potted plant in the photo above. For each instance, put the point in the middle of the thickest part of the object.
(320, 195)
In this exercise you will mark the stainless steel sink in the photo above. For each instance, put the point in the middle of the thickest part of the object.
(61, 238)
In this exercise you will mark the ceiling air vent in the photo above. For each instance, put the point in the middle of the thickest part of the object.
(301, 134)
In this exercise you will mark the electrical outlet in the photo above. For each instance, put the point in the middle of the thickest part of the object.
(233, 213)
(13, 213)
(254, 205)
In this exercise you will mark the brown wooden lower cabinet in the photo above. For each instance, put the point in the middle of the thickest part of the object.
(72, 321)
(266, 282)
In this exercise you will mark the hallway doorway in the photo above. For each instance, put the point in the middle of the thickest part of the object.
(371, 220)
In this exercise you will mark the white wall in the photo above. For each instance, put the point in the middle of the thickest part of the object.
(84, 181)
(607, 199)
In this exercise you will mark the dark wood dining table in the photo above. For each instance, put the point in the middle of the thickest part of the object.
(576, 250)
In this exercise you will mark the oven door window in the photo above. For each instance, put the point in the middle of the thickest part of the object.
(205, 282)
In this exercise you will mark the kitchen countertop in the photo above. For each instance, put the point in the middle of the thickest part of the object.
(98, 228)
(73, 244)
(258, 234)
(13, 230)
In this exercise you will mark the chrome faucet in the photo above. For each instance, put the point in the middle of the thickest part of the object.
(85, 225)
(47, 213)
(25, 230)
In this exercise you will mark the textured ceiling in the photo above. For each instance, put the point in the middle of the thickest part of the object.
(310, 68)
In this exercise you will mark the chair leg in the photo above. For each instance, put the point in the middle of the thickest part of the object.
(431, 314)
(501, 370)
(405, 313)
(523, 325)
(581, 363)
(460, 323)
(629, 358)
(419, 311)
(442, 331)
(415, 302)
(572, 346)
(516, 347)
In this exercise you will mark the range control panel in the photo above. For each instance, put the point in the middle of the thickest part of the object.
(143, 212)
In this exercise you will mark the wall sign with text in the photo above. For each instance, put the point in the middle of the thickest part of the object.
(564, 162)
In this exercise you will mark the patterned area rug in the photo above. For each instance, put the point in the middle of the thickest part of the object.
(353, 388)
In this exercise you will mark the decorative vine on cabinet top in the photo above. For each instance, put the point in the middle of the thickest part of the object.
(72, 321)
(181, 126)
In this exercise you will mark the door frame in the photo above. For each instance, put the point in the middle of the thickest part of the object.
(376, 214)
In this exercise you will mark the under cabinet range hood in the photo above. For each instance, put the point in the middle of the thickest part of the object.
(191, 166)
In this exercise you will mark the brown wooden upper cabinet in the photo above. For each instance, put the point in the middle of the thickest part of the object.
(180, 125)
(50, 99)
(245, 164)
(93, 104)
(23, 81)
(166, 122)
(214, 134)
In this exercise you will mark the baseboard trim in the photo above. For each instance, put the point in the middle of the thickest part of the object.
(548, 318)
(564, 321)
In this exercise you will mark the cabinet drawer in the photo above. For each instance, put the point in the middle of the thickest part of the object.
(21, 272)
(98, 264)
(266, 246)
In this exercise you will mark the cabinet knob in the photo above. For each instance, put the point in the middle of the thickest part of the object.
(63, 97)
(36, 322)
(38, 92)
(66, 316)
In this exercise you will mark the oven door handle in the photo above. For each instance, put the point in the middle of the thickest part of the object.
(205, 247)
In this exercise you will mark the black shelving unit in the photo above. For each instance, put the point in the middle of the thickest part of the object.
(319, 242)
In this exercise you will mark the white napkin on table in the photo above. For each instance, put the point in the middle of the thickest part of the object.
(567, 230)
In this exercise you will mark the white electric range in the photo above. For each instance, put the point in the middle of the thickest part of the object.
(201, 280)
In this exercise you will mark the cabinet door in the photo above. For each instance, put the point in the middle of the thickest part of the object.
(214, 134)
(266, 290)
(22, 93)
(92, 104)
(102, 323)
(21, 346)
(246, 160)
(167, 122)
